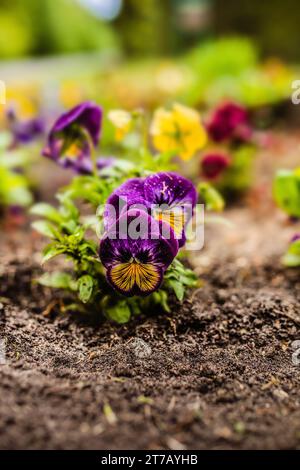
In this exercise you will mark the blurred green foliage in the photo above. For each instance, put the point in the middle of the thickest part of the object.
(238, 177)
(229, 68)
(229, 56)
(35, 27)
(286, 190)
(144, 26)
(20, 38)
(14, 184)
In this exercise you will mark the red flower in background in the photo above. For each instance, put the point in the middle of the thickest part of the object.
(213, 164)
(229, 121)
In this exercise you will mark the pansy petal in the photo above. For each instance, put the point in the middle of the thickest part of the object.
(73, 134)
(159, 240)
(24, 132)
(87, 115)
(135, 278)
(213, 164)
(122, 277)
(176, 197)
(130, 193)
(178, 129)
(169, 188)
(175, 218)
(226, 121)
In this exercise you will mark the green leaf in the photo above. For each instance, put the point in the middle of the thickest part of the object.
(85, 288)
(178, 288)
(20, 196)
(178, 272)
(68, 209)
(239, 174)
(211, 197)
(290, 260)
(119, 312)
(45, 228)
(161, 298)
(292, 257)
(51, 251)
(69, 226)
(57, 280)
(46, 210)
(286, 190)
(135, 307)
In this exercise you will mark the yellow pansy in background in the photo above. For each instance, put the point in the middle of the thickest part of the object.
(122, 121)
(170, 79)
(179, 129)
(24, 100)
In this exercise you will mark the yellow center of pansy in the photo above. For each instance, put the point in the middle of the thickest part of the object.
(73, 151)
(126, 275)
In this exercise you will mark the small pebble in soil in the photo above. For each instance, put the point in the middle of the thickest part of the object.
(140, 348)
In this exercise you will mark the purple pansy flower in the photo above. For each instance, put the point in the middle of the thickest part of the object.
(168, 196)
(136, 255)
(295, 238)
(213, 164)
(129, 194)
(175, 198)
(228, 121)
(24, 132)
(74, 135)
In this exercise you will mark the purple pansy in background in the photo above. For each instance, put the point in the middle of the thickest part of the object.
(73, 137)
(167, 196)
(24, 132)
(229, 121)
(213, 164)
(136, 255)
(295, 238)
(85, 166)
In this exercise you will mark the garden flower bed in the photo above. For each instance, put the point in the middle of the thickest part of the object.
(216, 371)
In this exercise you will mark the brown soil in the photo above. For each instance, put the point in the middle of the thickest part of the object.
(215, 373)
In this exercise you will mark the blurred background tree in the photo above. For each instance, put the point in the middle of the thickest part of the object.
(39, 27)
(274, 25)
(144, 27)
